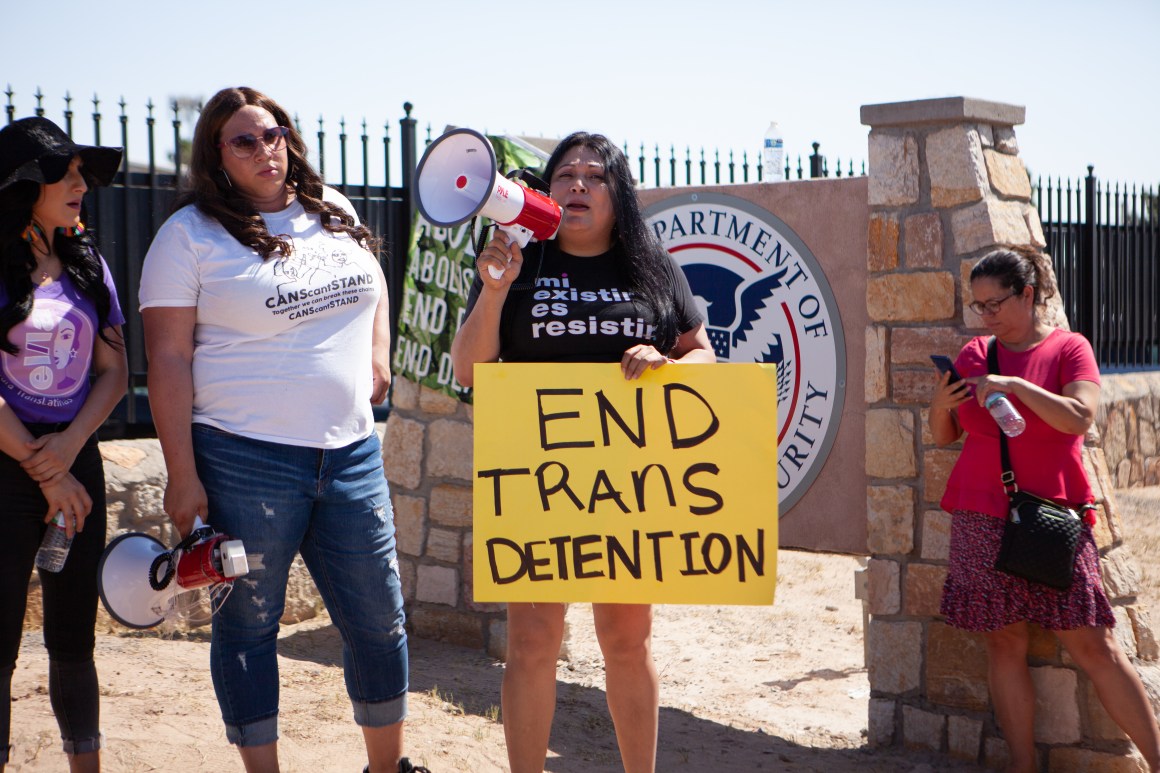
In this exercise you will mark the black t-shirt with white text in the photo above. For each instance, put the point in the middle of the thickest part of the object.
(564, 308)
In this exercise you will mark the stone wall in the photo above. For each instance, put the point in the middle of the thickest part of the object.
(428, 457)
(1129, 423)
(946, 185)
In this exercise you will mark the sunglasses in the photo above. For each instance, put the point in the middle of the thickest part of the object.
(244, 145)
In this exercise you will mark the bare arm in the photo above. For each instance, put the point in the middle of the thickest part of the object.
(1071, 412)
(692, 346)
(64, 493)
(14, 436)
(381, 346)
(53, 454)
(169, 344)
(477, 339)
(943, 419)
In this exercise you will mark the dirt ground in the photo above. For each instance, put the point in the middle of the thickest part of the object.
(742, 689)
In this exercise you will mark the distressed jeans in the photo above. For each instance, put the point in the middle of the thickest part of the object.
(332, 506)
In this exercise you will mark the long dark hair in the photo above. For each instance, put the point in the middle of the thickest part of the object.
(78, 258)
(1016, 266)
(638, 253)
(210, 190)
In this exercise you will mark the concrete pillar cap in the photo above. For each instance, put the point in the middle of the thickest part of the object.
(945, 110)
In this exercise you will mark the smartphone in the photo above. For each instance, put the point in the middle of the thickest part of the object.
(944, 365)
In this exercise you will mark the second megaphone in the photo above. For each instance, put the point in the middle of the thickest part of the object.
(139, 580)
(458, 178)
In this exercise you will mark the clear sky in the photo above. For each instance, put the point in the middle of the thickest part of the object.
(710, 73)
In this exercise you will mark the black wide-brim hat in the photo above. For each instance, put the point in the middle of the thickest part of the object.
(37, 149)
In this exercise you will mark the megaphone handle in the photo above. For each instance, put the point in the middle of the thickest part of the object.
(517, 234)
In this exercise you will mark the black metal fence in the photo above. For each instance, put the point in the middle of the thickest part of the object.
(673, 172)
(1104, 239)
(126, 215)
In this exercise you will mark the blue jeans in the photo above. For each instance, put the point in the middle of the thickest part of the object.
(332, 506)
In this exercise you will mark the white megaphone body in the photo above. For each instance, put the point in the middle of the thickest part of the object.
(139, 579)
(458, 178)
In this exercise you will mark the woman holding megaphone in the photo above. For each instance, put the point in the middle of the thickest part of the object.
(60, 323)
(631, 304)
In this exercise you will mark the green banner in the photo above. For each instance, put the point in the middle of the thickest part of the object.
(440, 270)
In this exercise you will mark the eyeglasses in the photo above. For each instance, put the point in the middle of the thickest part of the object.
(989, 307)
(244, 145)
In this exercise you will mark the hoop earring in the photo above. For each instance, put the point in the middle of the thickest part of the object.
(34, 233)
(229, 182)
(73, 231)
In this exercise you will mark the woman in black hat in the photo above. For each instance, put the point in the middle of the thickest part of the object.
(59, 325)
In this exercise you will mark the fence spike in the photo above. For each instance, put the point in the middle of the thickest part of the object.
(68, 114)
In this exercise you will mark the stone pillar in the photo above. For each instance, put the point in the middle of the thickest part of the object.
(947, 185)
(428, 455)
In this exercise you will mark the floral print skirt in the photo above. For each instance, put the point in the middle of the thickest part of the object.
(976, 597)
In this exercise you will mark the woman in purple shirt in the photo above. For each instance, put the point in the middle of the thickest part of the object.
(59, 325)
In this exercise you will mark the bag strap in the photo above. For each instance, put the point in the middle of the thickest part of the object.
(1008, 476)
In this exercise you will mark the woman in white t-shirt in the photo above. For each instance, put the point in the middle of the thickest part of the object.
(266, 324)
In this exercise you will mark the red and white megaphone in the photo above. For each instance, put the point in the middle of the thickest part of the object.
(139, 579)
(458, 178)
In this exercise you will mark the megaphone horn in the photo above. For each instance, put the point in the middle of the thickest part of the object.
(122, 580)
(458, 178)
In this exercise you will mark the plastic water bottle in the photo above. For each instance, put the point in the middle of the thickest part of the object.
(1005, 414)
(55, 546)
(773, 154)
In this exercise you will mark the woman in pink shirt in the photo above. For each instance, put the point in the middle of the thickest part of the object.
(1051, 377)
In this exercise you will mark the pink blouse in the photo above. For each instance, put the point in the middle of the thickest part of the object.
(1046, 462)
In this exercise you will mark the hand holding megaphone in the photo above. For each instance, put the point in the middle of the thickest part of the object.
(139, 580)
(458, 178)
(500, 254)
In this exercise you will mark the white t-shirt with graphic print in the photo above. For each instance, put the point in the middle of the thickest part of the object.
(282, 347)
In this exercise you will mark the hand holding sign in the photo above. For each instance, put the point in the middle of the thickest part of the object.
(660, 490)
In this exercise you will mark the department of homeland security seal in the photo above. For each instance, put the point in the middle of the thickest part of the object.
(765, 299)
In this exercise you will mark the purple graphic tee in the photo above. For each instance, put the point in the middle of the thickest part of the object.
(48, 380)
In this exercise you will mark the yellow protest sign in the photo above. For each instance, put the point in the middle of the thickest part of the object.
(589, 487)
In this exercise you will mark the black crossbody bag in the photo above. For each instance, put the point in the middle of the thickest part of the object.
(1040, 536)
